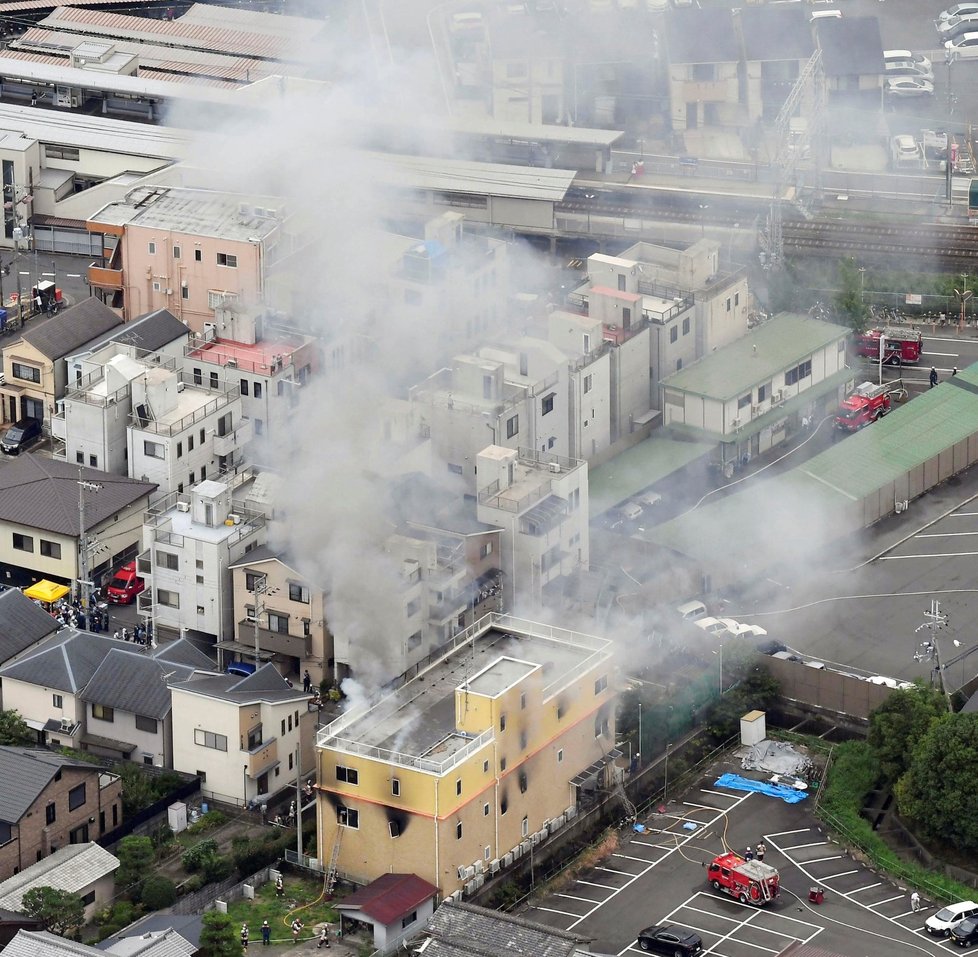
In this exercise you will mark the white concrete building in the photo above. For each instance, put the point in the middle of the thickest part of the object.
(540, 502)
(190, 541)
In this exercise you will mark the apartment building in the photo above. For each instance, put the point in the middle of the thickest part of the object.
(513, 734)
(190, 540)
(246, 738)
(279, 616)
(266, 362)
(58, 801)
(540, 503)
(512, 395)
(752, 394)
(190, 251)
(35, 373)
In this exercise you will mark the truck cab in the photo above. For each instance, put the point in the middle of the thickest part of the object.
(125, 585)
(866, 404)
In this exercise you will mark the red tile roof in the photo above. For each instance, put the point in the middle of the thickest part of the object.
(389, 898)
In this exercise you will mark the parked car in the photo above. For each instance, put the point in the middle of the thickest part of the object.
(956, 11)
(691, 610)
(906, 56)
(901, 86)
(125, 585)
(670, 940)
(964, 46)
(20, 436)
(954, 25)
(966, 933)
(947, 918)
(907, 68)
(713, 626)
(631, 509)
(241, 669)
(739, 629)
(649, 499)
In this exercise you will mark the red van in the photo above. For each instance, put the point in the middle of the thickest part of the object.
(125, 586)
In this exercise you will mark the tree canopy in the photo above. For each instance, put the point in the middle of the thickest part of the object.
(14, 731)
(60, 912)
(848, 301)
(218, 938)
(899, 723)
(135, 855)
(938, 791)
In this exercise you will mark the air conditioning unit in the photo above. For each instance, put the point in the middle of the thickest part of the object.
(753, 410)
(735, 423)
(517, 852)
(494, 866)
(470, 888)
(469, 873)
(66, 724)
(455, 896)
(477, 867)
(557, 823)
(778, 396)
(571, 812)
(536, 838)
(555, 467)
(232, 363)
(183, 506)
(901, 506)
(461, 872)
(508, 859)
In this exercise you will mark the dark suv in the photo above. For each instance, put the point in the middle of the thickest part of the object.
(966, 933)
(20, 436)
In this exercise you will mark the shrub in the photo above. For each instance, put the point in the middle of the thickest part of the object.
(213, 867)
(193, 883)
(107, 930)
(252, 855)
(207, 822)
(193, 858)
(162, 836)
(158, 892)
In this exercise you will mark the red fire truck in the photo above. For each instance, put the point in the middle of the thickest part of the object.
(867, 403)
(900, 347)
(751, 882)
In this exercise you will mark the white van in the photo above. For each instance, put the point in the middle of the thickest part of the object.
(826, 15)
(691, 610)
(947, 918)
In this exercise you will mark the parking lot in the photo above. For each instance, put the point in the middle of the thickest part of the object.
(659, 878)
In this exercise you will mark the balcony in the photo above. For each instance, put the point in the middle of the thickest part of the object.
(233, 441)
(263, 757)
(105, 278)
(275, 641)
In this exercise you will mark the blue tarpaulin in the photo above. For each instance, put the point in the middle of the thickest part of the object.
(737, 783)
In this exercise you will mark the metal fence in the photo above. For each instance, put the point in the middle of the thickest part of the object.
(145, 817)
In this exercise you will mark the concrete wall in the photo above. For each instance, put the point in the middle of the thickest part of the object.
(826, 689)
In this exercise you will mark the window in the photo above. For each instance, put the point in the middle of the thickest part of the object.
(153, 450)
(347, 817)
(522, 701)
(215, 382)
(25, 372)
(168, 560)
(458, 830)
(686, 326)
(547, 404)
(560, 755)
(743, 402)
(396, 787)
(523, 740)
(455, 469)
(588, 383)
(151, 248)
(146, 724)
(485, 767)
(76, 797)
(525, 826)
(601, 726)
(409, 919)
(80, 458)
(502, 765)
(179, 450)
(61, 153)
(524, 783)
(244, 386)
(198, 256)
(208, 739)
(176, 252)
(5, 835)
(88, 898)
(736, 298)
(703, 72)
(299, 593)
(674, 334)
(184, 291)
(259, 424)
(227, 259)
(169, 598)
(502, 722)
(252, 579)
(679, 364)
(728, 304)
(512, 426)
(458, 786)
(23, 543)
(600, 684)
(257, 390)
(485, 810)
(762, 391)
(57, 701)
(50, 549)
(103, 713)
(50, 813)
(347, 775)
(278, 623)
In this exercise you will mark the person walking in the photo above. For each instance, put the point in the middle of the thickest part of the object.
(306, 682)
(761, 851)
(296, 930)
(749, 856)
(915, 902)
(244, 937)
(266, 934)
(279, 886)
(933, 376)
(323, 936)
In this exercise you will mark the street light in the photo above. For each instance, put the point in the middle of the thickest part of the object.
(720, 653)
(665, 787)
(963, 294)
(589, 197)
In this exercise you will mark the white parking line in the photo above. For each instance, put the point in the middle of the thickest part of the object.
(628, 857)
(571, 897)
(734, 931)
(944, 534)
(818, 860)
(832, 877)
(552, 910)
(607, 887)
(611, 870)
(867, 887)
(887, 901)
(795, 847)
(717, 793)
(885, 558)
(800, 830)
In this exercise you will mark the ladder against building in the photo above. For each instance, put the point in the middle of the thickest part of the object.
(630, 811)
(333, 858)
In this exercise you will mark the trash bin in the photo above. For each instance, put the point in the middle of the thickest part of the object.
(816, 895)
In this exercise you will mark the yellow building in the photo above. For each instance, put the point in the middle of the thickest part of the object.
(472, 762)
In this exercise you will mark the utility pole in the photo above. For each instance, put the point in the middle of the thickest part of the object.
(931, 650)
(84, 584)
(298, 805)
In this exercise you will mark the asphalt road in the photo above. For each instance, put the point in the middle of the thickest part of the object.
(659, 877)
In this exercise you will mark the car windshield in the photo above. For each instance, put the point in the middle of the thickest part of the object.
(14, 435)
(945, 914)
(966, 926)
(118, 582)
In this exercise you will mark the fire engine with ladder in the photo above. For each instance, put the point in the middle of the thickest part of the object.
(750, 882)
(900, 346)
(867, 403)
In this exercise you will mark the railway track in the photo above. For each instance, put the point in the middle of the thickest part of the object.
(934, 241)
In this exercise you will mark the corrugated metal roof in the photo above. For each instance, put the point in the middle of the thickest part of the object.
(71, 868)
(254, 21)
(390, 897)
(491, 179)
(756, 357)
(207, 81)
(15, 6)
(175, 60)
(110, 25)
